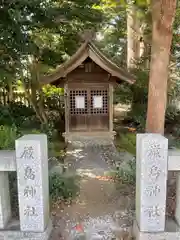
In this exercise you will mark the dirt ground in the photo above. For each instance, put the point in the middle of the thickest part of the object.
(100, 209)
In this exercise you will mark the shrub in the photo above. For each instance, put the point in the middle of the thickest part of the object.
(63, 187)
(14, 113)
(56, 119)
(57, 149)
(8, 136)
(31, 122)
(137, 115)
(126, 172)
(127, 142)
(126, 175)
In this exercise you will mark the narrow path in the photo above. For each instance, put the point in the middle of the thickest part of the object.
(100, 209)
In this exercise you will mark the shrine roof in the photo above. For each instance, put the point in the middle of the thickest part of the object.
(88, 49)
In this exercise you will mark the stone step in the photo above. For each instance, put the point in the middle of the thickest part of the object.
(84, 141)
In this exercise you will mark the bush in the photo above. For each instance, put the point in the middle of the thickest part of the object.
(31, 122)
(62, 187)
(137, 96)
(8, 135)
(57, 149)
(127, 142)
(137, 115)
(172, 114)
(54, 128)
(15, 113)
(127, 174)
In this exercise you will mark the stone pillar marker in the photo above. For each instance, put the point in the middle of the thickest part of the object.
(177, 211)
(151, 174)
(5, 207)
(33, 185)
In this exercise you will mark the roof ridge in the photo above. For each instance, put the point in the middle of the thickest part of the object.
(103, 57)
(88, 48)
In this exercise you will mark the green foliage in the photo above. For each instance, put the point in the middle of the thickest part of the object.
(8, 136)
(57, 149)
(51, 90)
(136, 95)
(176, 141)
(46, 29)
(113, 33)
(30, 122)
(63, 187)
(172, 120)
(137, 114)
(14, 113)
(24, 117)
(56, 121)
(123, 94)
(172, 114)
(127, 176)
(127, 142)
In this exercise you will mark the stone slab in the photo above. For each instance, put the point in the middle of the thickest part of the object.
(101, 138)
(7, 161)
(138, 179)
(173, 160)
(5, 207)
(172, 232)
(33, 182)
(177, 211)
(152, 150)
(19, 235)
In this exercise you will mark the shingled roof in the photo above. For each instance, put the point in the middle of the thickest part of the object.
(88, 49)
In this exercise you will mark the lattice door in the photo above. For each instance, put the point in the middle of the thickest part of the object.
(89, 109)
(102, 96)
(99, 110)
(78, 110)
(76, 95)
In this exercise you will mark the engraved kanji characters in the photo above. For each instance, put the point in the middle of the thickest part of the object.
(28, 153)
(153, 152)
(29, 191)
(29, 174)
(30, 211)
(153, 211)
(152, 190)
(154, 172)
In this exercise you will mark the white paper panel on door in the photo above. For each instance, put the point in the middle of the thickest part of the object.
(97, 102)
(79, 102)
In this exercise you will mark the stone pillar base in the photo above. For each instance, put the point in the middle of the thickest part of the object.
(13, 232)
(172, 232)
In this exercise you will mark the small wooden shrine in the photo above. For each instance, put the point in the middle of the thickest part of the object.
(88, 78)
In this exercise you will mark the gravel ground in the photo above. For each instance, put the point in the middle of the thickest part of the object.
(100, 211)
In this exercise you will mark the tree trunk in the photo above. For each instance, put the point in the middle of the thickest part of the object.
(133, 44)
(10, 91)
(34, 92)
(163, 13)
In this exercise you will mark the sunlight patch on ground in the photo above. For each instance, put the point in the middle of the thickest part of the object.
(86, 172)
(77, 153)
(91, 173)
